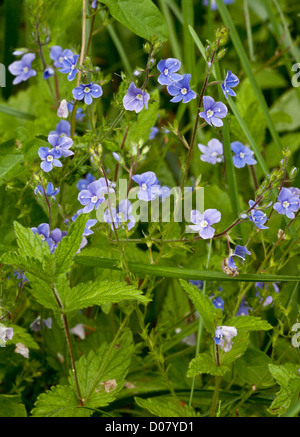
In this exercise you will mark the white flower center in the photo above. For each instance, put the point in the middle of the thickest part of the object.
(203, 223)
(73, 67)
(49, 158)
(144, 187)
(25, 70)
(42, 237)
(210, 113)
(286, 204)
(184, 91)
(94, 199)
(166, 72)
(120, 215)
(214, 154)
(139, 96)
(87, 89)
(242, 155)
(60, 59)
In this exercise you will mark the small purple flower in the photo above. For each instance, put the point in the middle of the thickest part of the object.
(213, 152)
(295, 191)
(20, 275)
(56, 236)
(149, 185)
(61, 144)
(51, 192)
(203, 222)
(181, 90)
(240, 252)
(62, 128)
(120, 216)
(116, 156)
(213, 111)
(79, 111)
(43, 230)
(154, 131)
(94, 195)
(231, 80)
(35, 326)
(22, 69)
(49, 158)
(135, 99)
(87, 92)
(58, 55)
(48, 72)
(94, 4)
(167, 68)
(69, 66)
(223, 336)
(257, 216)
(287, 203)
(243, 155)
(5, 334)
(82, 184)
(244, 309)
(89, 224)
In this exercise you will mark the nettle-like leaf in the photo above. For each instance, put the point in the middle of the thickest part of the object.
(287, 377)
(205, 363)
(101, 376)
(248, 323)
(22, 336)
(11, 406)
(10, 161)
(98, 293)
(165, 407)
(69, 245)
(30, 244)
(25, 264)
(140, 16)
(203, 305)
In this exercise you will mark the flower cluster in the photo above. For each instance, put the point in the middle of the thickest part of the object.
(60, 148)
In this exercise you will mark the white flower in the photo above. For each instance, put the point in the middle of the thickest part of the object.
(22, 350)
(223, 336)
(62, 111)
(79, 331)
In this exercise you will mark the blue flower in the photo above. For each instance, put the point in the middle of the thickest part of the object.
(49, 158)
(20, 275)
(167, 68)
(213, 111)
(44, 231)
(94, 4)
(244, 309)
(213, 152)
(181, 90)
(61, 144)
(240, 252)
(87, 92)
(223, 336)
(116, 156)
(48, 72)
(264, 286)
(197, 283)
(50, 191)
(94, 195)
(36, 324)
(231, 80)
(58, 55)
(243, 155)
(22, 69)
(213, 4)
(149, 186)
(287, 204)
(257, 216)
(89, 224)
(79, 111)
(82, 184)
(153, 132)
(62, 128)
(120, 216)
(219, 303)
(203, 222)
(69, 66)
(135, 99)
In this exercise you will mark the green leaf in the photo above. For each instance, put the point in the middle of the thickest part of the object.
(249, 323)
(30, 244)
(204, 363)
(10, 161)
(288, 378)
(239, 347)
(67, 248)
(203, 305)
(25, 264)
(164, 407)
(22, 336)
(42, 291)
(11, 406)
(253, 368)
(98, 293)
(16, 113)
(175, 272)
(140, 16)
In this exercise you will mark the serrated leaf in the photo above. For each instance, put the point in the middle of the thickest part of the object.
(204, 363)
(203, 305)
(98, 293)
(25, 264)
(140, 16)
(164, 407)
(239, 347)
(42, 292)
(69, 245)
(30, 244)
(288, 378)
(22, 336)
(249, 323)
(253, 368)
